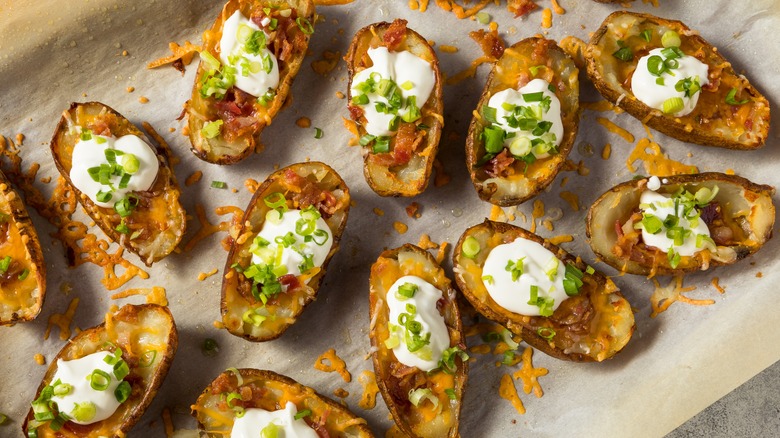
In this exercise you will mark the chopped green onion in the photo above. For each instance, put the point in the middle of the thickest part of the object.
(659, 81)
(102, 196)
(673, 257)
(211, 129)
(487, 279)
(366, 139)
(705, 195)
(270, 431)
(489, 113)
(533, 97)
(130, 163)
(704, 240)
(122, 228)
(147, 359)
(482, 17)
(670, 38)
(85, 135)
(5, 263)
(303, 413)
(122, 392)
(673, 105)
(317, 133)
(304, 25)
(655, 65)
(624, 53)
(84, 412)
(239, 378)
(99, 380)
(407, 290)
(125, 206)
(534, 294)
(250, 317)
(392, 341)
(210, 59)
(276, 200)
(589, 270)
(509, 340)
(509, 357)
(62, 389)
(210, 347)
(651, 223)
(58, 422)
(493, 136)
(515, 267)
(417, 396)
(219, 184)
(381, 145)
(360, 99)
(408, 85)
(551, 268)
(730, 98)
(646, 35)
(451, 394)
(121, 370)
(470, 247)
(547, 333)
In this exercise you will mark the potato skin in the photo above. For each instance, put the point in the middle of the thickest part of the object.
(236, 294)
(125, 320)
(201, 110)
(384, 272)
(18, 232)
(412, 178)
(736, 193)
(603, 331)
(513, 71)
(159, 216)
(713, 122)
(304, 397)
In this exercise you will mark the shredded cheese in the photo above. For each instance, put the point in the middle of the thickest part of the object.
(39, 359)
(655, 162)
(563, 238)
(400, 227)
(184, 53)
(530, 375)
(572, 199)
(207, 228)
(507, 391)
(193, 178)
(537, 213)
(615, 129)
(717, 286)
(62, 321)
(168, 422)
(664, 296)
(335, 363)
(370, 389)
(327, 63)
(204, 275)
(154, 295)
(441, 177)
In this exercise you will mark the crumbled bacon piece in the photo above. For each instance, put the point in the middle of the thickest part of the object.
(237, 111)
(311, 194)
(290, 281)
(407, 140)
(489, 42)
(355, 112)
(319, 426)
(520, 7)
(500, 165)
(395, 33)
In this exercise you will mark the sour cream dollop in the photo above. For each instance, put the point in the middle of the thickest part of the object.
(653, 90)
(297, 249)
(507, 103)
(251, 76)
(426, 313)
(76, 373)
(661, 206)
(92, 153)
(413, 75)
(283, 421)
(514, 294)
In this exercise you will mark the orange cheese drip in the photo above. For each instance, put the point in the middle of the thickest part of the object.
(530, 375)
(154, 295)
(546, 18)
(507, 391)
(664, 296)
(335, 363)
(400, 227)
(606, 152)
(62, 321)
(537, 213)
(572, 199)
(717, 286)
(207, 228)
(563, 238)
(615, 129)
(192, 179)
(370, 389)
(655, 162)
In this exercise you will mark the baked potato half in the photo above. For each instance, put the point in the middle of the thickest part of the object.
(289, 232)
(737, 217)
(236, 392)
(234, 99)
(592, 320)
(22, 268)
(423, 389)
(394, 68)
(730, 112)
(149, 222)
(525, 123)
(138, 342)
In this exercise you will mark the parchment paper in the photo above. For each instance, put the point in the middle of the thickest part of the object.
(52, 53)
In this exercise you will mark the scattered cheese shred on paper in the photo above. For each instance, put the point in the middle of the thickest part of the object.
(154, 295)
(370, 389)
(665, 296)
(655, 161)
(62, 321)
(530, 375)
(334, 363)
(507, 391)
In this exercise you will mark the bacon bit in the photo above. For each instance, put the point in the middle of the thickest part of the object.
(62, 321)
(520, 7)
(615, 129)
(407, 140)
(155, 295)
(328, 62)
(204, 275)
(395, 34)
(341, 393)
(563, 238)
(413, 210)
(530, 375)
(400, 227)
(546, 18)
(207, 228)
(717, 286)
(193, 178)
(303, 122)
(655, 161)
(426, 243)
(39, 359)
(500, 165)
(379, 212)
(184, 54)
(370, 389)
(663, 297)
(606, 152)
(442, 252)
(572, 199)
(507, 391)
(335, 363)
(353, 129)
(441, 177)
(252, 185)
(168, 422)
(490, 43)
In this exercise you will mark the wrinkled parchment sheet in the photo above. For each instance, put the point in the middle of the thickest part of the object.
(53, 53)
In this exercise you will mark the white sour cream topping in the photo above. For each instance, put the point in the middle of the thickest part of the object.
(255, 420)
(432, 322)
(515, 97)
(292, 256)
(75, 372)
(661, 207)
(652, 94)
(401, 67)
(91, 153)
(514, 295)
(257, 83)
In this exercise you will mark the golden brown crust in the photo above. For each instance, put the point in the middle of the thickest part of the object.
(592, 326)
(394, 379)
(21, 299)
(236, 298)
(746, 202)
(713, 122)
(513, 71)
(159, 327)
(267, 390)
(412, 178)
(159, 217)
(202, 110)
